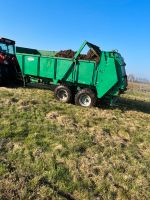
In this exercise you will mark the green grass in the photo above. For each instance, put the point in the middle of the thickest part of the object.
(50, 150)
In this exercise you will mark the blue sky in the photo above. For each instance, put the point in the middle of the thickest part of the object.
(65, 24)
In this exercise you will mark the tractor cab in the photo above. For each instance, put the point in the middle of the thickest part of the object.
(9, 68)
(7, 46)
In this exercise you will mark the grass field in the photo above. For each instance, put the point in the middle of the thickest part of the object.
(50, 150)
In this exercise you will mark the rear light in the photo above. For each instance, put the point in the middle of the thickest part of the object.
(2, 57)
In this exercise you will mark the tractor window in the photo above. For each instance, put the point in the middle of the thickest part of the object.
(11, 49)
(7, 48)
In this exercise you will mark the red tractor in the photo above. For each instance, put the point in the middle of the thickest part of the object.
(9, 68)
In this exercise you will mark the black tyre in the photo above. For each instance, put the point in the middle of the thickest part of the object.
(85, 97)
(63, 93)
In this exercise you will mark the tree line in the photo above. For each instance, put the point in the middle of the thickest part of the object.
(133, 78)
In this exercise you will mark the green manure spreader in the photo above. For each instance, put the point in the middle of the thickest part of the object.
(80, 78)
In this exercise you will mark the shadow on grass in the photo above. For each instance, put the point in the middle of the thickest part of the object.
(29, 86)
(134, 105)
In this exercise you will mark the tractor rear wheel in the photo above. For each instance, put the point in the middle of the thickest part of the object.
(85, 97)
(63, 93)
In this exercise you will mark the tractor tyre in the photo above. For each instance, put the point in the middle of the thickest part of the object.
(63, 93)
(85, 97)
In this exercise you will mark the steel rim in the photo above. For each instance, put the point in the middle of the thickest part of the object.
(62, 95)
(85, 100)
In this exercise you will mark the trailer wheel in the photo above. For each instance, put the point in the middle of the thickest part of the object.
(85, 97)
(63, 94)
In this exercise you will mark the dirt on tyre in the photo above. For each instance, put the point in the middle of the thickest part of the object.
(85, 97)
(63, 93)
